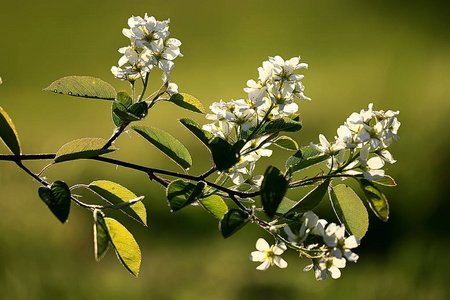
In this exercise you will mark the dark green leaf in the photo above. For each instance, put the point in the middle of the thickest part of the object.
(57, 198)
(304, 158)
(139, 109)
(101, 237)
(376, 199)
(201, 134)
(386, 181)
(283, 124)
(126, 100)
(117, 194)
(188, 102)
(232, 221)
(167, 144)
(82, 148)
(311, 200)
(215, 205)
(350, 210)
(286, 143)
(8, 133)
(83, 86)
(273, 189)
(181, 193)
(224, 154)
(127, 249)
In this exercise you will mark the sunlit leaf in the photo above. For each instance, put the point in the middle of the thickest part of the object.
(116, 194)
(57, 198)
(167, 144)
(181, 193)
(126, 101)
(188, 102)
(232, 221)
(101, 237)
(286, 143)
(215, 205)
(127, 249)
(8, 133)
(349, 209)
(273, 189)
(376, 199)
(83, 86)
(304, 158)
(311, 200)
(82, 148)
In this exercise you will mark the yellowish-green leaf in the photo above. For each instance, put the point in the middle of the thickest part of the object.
(8, 133)
(215, 205)
(116, 194)
(350, 210)
(127, 249)
(83, 86)
(101, 237)
(188, 102)
(82, 148)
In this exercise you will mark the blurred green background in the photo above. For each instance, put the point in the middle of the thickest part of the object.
(394, 54)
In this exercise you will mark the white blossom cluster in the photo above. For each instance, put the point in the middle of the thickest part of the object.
(370, 132)
(269, 98)
(327, 240)
(150, 47)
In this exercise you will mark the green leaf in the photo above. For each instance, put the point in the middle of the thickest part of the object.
(127, 249)
(386, 181)
(285, 205)
(273, 189)
(311, 200)
(136, 112)
(203, 135)
(139, 109)
(232, 221)
(116, 194)
(82, 148)
(224, 154)
(181, 193)
(376, 199)
(83, 86)
(126, 100)
(167, 144)
(101, 237)
(8, 133)
(283, 124)
(350, 210)
(286, 143)
(215, 205)
(304, 158)
(57, 198)
(188, 102)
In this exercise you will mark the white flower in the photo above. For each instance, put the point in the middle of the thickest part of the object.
(327, 148)
(268, 255)
(328, 264)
